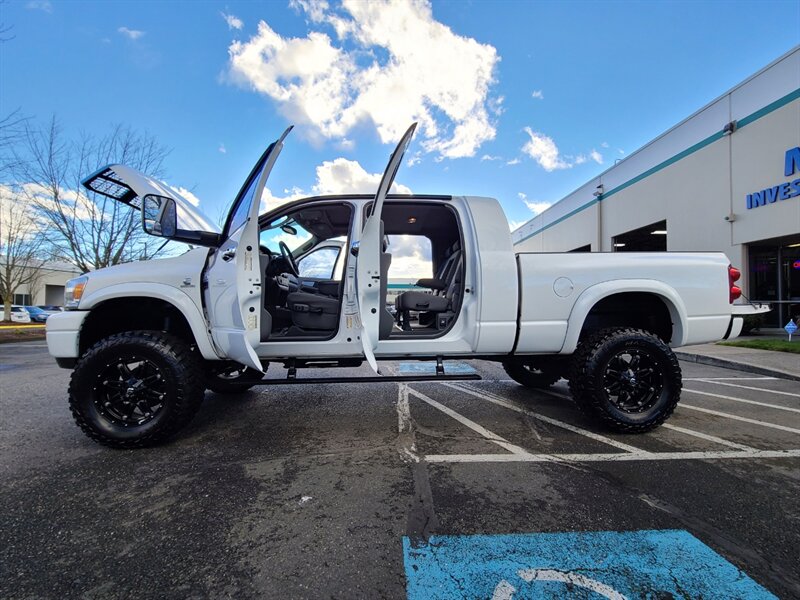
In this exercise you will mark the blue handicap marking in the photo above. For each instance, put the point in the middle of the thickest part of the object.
(603, 564)
(429, 368)
(790, 327)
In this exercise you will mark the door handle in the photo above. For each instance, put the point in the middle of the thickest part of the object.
(228, 254)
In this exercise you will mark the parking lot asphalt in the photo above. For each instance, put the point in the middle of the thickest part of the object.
(319, 491)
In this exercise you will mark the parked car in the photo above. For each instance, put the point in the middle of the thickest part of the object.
(146, 339)
(37, 314)
(19, 314)
(51, 308)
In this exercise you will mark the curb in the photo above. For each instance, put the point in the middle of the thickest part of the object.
(731, 364)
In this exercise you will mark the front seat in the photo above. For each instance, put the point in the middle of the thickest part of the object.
(313, 311)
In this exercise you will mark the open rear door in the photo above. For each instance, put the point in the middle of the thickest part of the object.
(234, 276)
(368, 269)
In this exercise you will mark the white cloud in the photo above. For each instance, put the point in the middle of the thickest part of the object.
(343, 176)
(533, 206)
(604, 145)
(338, 176)
(415, 159)
(43, 5)
(490, 157)
(514, 225)
(233, 21)
(538, 94)
(381, 71)
(189, 196)
(514, 161)
(411, 257)
(133, 34)
(544, 151)
(222, 149)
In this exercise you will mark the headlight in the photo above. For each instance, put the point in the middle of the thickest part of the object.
(73, 290)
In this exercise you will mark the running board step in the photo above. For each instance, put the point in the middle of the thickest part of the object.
(373, 379)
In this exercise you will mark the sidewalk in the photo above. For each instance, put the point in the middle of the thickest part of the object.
(760, 362)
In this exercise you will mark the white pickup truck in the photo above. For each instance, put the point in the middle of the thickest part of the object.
(305, 285)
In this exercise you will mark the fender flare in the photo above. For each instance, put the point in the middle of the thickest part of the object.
(180, 300)
(594, 294)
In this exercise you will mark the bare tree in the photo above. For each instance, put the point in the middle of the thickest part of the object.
(11, 127)
(21, 240)
(89, 230)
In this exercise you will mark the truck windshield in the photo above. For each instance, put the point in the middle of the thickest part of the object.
(286, 230)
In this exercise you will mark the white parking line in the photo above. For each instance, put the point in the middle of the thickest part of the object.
(743, 400)
(611, 457)
(492, 437)
(738, 418)
(506, 404)
(707, 437)
(748, 387)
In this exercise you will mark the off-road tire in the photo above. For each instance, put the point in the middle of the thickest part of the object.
(179, 379)
(591, 372)
(532, 375)
(238, 385)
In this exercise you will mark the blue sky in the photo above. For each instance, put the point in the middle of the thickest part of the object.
(519, 101)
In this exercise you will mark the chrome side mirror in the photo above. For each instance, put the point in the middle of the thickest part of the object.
(354, 248)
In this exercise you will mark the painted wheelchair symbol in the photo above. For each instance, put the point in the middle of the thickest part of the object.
(505, 590)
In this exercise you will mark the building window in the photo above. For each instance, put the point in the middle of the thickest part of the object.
(775, 278)
(586, 248)
(650, 238)
(22, 299)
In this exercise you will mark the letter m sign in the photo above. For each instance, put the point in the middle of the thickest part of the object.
(792, 161)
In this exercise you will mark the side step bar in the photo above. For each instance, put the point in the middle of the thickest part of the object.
(374, 379)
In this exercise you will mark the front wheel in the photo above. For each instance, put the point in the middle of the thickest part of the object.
(135, 389)
(628, 378)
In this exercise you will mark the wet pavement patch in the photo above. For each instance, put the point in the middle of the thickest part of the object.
(604, 564)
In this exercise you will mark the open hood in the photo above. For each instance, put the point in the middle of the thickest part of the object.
(129, 186)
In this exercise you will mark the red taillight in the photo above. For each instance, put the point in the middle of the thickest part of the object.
(733, 276)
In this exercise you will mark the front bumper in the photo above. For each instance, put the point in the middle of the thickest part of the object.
(63, 335)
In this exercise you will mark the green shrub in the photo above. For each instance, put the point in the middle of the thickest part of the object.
(752, 323)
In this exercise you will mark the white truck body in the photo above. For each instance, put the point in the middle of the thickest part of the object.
(499, 304)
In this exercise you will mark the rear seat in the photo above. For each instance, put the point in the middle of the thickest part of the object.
(444, 289)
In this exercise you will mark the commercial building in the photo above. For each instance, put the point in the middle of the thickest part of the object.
(725, 179)
(47, 284)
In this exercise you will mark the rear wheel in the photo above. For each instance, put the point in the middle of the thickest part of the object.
(135, 389)
(535, 373)
(628, 378)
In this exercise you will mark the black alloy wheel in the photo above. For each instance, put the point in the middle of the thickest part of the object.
(628, 378)
(129, 391)
(632, 380)
(136, 389)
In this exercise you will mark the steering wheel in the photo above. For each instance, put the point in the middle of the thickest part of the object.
(287, 254)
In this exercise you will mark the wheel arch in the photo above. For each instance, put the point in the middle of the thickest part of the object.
(127, 307)
(598, 307)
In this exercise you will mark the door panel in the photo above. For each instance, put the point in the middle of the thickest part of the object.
(368, 269)
(234, 277)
